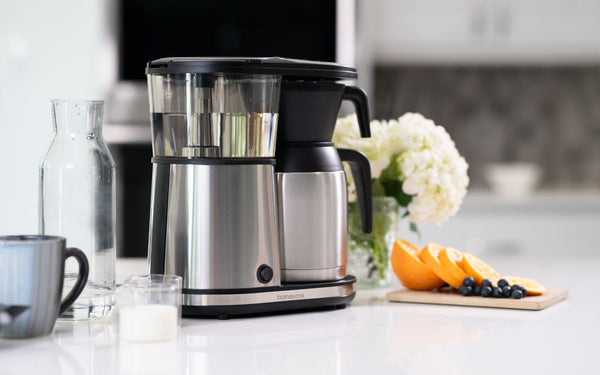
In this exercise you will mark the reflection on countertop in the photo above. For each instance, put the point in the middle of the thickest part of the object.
(369, 336)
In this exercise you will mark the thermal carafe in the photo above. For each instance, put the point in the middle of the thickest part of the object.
(311, 183)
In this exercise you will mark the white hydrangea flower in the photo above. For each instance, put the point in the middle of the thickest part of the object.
(431, 168)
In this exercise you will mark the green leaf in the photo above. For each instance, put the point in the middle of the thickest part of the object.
(391, 183)
(415, 229)
(377, 189)
(392, 171)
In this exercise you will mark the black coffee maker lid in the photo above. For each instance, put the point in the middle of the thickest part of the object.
(287, 68)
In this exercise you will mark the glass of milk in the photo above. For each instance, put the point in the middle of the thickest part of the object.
(149, 308)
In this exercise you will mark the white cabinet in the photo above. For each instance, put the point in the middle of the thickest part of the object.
(545, 224)
(485, 31)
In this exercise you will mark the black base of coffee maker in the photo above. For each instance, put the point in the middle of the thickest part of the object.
(284, 299)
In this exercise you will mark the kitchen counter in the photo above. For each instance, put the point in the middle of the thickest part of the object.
(584, 202)
(545, 224)
(371, 336)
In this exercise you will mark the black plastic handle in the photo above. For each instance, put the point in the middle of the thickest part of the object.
(359, 98)
(361, 170)
(84, 271)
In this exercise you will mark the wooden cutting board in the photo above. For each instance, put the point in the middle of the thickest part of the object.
(452, 297)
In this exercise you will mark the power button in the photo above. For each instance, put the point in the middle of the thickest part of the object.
(264, 274)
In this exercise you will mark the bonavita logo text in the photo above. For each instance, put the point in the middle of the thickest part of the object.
(288, 297)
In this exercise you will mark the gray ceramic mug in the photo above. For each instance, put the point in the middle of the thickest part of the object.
(31, 278)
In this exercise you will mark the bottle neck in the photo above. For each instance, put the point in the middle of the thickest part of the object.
(75, 118)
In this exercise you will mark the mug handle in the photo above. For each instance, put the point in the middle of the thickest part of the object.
(84, 270)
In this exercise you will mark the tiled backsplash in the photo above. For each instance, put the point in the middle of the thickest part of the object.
(546, 115)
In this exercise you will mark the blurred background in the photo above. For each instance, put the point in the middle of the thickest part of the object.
(515, 83)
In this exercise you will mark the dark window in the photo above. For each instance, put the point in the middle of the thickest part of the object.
(151, 29)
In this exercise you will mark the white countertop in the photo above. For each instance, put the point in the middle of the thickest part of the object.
(371, 336)
(583, 201)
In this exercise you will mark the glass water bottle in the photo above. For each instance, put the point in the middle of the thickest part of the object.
(77, 201)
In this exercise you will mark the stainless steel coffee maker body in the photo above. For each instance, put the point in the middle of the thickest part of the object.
(229, 212)
(214, 213)
(220, 225)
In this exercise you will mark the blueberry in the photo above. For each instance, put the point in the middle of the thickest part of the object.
(506, 291)
(469, 281)
(502, 283)
(486, 291)
(477, 290)
(465, 290)
(497, 292)
(519, 287)
(486, 282)
(517, 294)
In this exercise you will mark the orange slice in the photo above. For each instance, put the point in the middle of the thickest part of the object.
(533, 287)
(429, 256)
(450, 258)
(478, 269)
(409, 269)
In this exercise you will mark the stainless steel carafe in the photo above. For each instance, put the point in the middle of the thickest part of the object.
(311, 183)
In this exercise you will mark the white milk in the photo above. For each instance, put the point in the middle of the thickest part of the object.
(148, 322)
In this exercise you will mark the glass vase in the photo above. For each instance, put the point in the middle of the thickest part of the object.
(369, 254)
(77, 201)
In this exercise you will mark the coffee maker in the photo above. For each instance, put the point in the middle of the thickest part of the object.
(249, 195)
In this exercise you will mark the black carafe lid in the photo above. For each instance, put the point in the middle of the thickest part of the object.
(308, 110)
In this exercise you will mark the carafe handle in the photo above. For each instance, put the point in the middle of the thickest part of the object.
(361, 171)
(359, 98)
